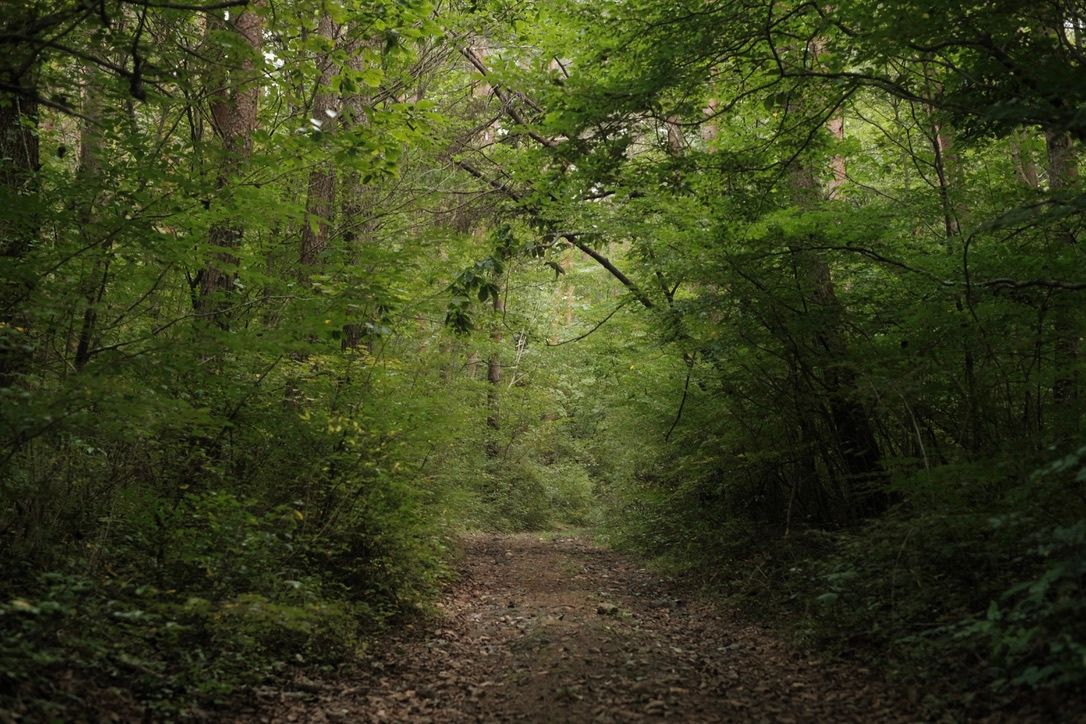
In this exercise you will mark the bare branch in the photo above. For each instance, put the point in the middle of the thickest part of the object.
(597, 326)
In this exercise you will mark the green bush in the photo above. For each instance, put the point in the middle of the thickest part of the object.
(1036, 630)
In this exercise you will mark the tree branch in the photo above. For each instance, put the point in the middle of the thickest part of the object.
(597, 326)
(571, 237)
(615, 271)
(507, 103)
(689, 359)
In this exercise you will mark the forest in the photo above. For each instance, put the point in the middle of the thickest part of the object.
(305, 303)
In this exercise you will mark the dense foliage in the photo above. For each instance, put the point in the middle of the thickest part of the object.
(857, 226)
(786, 295)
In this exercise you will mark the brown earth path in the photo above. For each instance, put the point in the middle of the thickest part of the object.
(544, 629)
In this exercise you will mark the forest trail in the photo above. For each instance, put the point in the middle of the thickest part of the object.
(560, 630)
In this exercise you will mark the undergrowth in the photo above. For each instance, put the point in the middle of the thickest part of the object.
(192, 614)
(970, 605)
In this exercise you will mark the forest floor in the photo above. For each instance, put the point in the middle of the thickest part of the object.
(557, 629)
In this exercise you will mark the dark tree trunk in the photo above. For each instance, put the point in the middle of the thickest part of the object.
(851, 433)
(20, 159)
(494, 380)
(320, 201)
(235, 96)
(19, 162)
(1063, 174)
(94, 289)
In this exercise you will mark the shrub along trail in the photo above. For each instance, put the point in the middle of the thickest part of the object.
(556, 630)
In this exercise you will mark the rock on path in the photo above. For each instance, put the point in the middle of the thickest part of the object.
(560, 630)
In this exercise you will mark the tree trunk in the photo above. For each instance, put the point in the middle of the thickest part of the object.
(355, 223)
(1062, 174)
(88, 173)
(676, 143)
(852, 432)
(941, 144)
(322, 179)
(710, 129)
(19, 162)
(974, 437)
(20, 158)
(494, 378)
(234, 98)
(836, 126)
(1024, 165)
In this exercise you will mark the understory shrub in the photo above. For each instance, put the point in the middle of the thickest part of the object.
(979, 574)
(185, 563)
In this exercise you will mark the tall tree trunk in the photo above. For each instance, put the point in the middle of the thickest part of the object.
(234, 98)
(852, 432)
(494, 380)
(1063, 174)
(821, 346)
(1024, 165)
(974, 437)
(88, 173)
(481, 93)
(355, 221)
(710, 129)
(836, 126)
(942, 144)
(676, 143)
(20, 158)
(320, 200)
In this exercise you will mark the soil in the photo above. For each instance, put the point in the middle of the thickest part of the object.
(557, 629)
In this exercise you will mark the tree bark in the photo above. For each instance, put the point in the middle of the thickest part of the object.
(354, 223)
(1063, 174)
(320, 200)
(494, 380)
(941, 143)
(20, 159)
(88, 173)
(852, 432)
(1024, 165)
(710, 129)
(836, 126)
(234, 99)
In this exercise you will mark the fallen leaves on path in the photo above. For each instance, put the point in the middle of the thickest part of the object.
(561, 630)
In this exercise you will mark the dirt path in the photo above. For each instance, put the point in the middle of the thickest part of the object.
(562, 631)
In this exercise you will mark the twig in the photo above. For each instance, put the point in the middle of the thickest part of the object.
(601, 323)
(689, 359)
